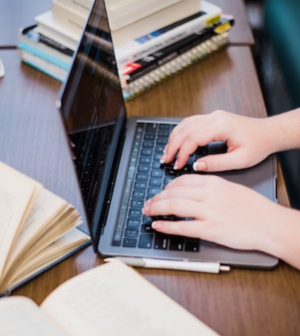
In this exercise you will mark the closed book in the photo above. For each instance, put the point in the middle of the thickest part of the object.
(45, 66)
(126, 12)
(47, 27)
(156, 21)
(78, 6)
(143, 46)
(152, 61)
(174, 66)
(69, 18)
(29, 36)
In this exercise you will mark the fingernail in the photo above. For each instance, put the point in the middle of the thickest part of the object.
(156, 225)
(199, 166)
(162, 161)
(175, 167)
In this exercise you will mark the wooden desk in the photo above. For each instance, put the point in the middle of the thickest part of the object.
(242, 302)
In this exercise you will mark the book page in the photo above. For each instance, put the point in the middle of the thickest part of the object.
(47, 207)
(20, 316)
(15, 195)
(66, 244)
(113, 300)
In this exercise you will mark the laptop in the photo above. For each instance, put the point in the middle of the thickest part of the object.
(117, 161)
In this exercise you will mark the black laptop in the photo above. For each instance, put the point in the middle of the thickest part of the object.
(118, 161)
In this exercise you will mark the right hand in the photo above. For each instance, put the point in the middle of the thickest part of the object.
(248, 140)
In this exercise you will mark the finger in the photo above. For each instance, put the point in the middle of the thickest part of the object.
(198, 138)
(190, 180)
(176, 206)
(179, 135)
(221, 162)
(191, 229)
(188, 193)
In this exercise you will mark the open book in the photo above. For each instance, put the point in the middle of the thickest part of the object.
(37, 228)
(111, 300)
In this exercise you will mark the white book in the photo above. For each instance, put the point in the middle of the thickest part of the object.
(121, 3)
(79, 6)
(68, 18)
(48, 27)
(127, 12)
(111, 300)
(155, 21)
(139, 48)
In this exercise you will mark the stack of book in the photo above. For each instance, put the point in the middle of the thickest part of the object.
(153, 39)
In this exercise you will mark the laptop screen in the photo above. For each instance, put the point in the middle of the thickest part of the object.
(94, 113)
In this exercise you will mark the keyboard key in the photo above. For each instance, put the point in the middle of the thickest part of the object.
(176, 243)
(136, 203)
(157, 173)
(151, 128)
(164, 127)
(159, 149)
(140, 185)
(154, 190)
(145, 160)
(133, 222)
(192, 245)
(129, 242)
(139, 194)
(163, 134)
(146, 152)
(168, 179)
(147, 228)
(149, 136)
(142, 177)
(145, 240)
(157, 157)
(135, 212)
(148, 144)
(131, 232)
(146, 219)
(143, 168)
(161, 241)
(156, 165)
(155, 181)
(162, 141)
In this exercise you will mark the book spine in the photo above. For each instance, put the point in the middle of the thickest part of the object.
(165, 55)
(137, 49)
(55, 45)
(41, 54)
(174, 66)
(44, 66)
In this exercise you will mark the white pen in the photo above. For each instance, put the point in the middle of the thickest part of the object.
(195, 266)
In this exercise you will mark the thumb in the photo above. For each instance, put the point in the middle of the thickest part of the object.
(217, 162)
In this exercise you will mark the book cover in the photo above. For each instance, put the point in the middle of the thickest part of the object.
(156, 21)
(174, 66)
(126, 12)
(141, 47)
(152, 61)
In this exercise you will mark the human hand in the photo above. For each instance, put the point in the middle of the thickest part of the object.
(224, 212)
(248, 141)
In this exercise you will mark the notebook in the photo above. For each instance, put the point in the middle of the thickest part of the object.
(117, 161)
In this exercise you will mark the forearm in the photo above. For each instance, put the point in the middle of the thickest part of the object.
(284, 131)
(281, 235)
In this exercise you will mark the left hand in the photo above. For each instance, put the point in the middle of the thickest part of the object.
(225, 213)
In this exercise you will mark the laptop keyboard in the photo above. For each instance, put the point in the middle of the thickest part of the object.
(147, 177)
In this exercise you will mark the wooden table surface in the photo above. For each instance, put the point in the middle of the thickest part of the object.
(16, 14)
(241, 302)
